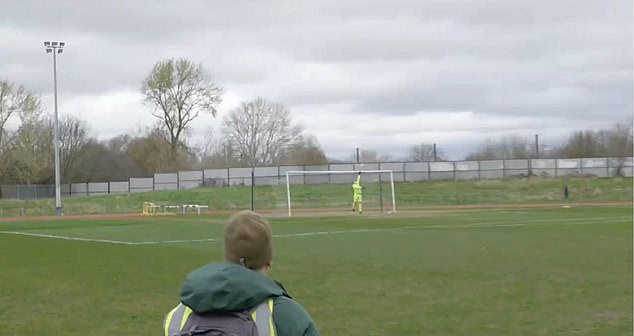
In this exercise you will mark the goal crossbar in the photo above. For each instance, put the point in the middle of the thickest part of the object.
(322, 172)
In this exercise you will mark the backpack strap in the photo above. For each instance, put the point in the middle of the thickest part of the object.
(175, 320)
(262, 314)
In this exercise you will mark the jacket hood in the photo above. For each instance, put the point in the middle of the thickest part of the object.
(227, 287)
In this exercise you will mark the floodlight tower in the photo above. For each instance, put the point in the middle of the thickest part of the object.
(56, 48)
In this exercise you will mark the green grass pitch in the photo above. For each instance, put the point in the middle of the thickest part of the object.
(538, 271)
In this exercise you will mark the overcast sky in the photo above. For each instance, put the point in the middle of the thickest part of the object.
(379, 75)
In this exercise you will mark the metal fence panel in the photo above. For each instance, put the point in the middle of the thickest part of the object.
(166, 181)
(216, 177)
(267, 176)
(141, 184)
(266, 172)
(544, 163)
(516, 168)
(568, 167)
(317, 179)
(516, 164)
(240, 173)
(467, 165)
(216, 173)
(544, 167)
(594, 163)
(240, 176)
(293, 179)
(190, 175)
(340, 178)
(183, 185)
(441, 167)
(119, 187)
(492, 165)
(442, 175)
(397, 169)
(467, 175)
(79, 189)
(190, 179)
(491, 174)
(341, 166)
(366, 166)
(98, 188)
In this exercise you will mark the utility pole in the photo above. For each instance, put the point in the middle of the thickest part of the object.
(537, 146)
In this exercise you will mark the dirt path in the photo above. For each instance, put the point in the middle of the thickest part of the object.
(325, 211)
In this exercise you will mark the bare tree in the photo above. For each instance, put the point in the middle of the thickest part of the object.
(306, 151)
(508, 147)
(73, 138)
(425, 152)
(151, 153)
(259, 131)
(617, 141)
(15, 100)
(180, 90)
(583, 144)
(369, 156)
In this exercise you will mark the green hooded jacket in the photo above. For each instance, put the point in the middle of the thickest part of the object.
(225, 287)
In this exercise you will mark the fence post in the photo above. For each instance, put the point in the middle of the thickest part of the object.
(329, 180)
(252, 187)
(228, 176)
(404, 171)
(556, 167)
(530, 167)
(607, 167)
(428, 171)
(454, 170)
(581, 166)
(479, 171)
(35, 189)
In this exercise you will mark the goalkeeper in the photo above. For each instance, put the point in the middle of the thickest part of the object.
(357, 195)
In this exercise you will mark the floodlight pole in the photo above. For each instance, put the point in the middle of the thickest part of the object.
(56, 48)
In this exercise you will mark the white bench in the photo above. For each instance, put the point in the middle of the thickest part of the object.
(196, 207)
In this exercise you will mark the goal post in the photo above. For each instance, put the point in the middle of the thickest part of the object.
(352, 174)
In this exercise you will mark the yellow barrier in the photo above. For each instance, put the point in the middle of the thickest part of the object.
(150, 209)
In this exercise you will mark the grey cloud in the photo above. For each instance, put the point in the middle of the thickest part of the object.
(570, 59)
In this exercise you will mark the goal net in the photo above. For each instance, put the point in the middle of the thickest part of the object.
(332, 190)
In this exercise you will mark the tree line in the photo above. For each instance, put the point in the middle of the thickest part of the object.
(257, 132)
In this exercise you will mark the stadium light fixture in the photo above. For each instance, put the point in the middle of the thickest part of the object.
(56, 48)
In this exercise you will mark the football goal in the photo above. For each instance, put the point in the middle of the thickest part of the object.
(332, 190)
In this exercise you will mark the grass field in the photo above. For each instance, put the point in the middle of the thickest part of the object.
(408, 195)
(554, 271)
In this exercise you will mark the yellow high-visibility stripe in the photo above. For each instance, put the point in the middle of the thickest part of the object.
(186, 314)
(271, 325)
(254, 315)
(168, 321)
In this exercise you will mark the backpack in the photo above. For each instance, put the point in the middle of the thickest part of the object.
(181, 321)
